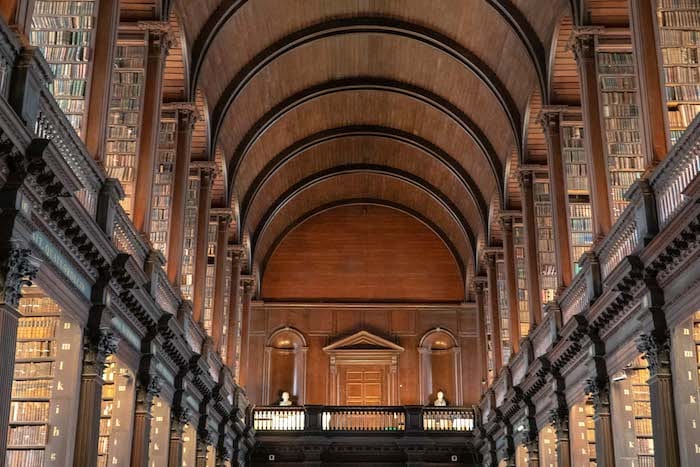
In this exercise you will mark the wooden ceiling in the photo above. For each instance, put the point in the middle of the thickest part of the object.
(427, 107)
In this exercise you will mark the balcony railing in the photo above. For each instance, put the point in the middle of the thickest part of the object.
(363, 419)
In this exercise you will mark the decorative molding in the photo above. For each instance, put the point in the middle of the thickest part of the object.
(17, 269)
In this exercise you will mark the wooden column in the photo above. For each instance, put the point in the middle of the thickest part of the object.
(150, 123)
(217, 325)
(97, 346)
(604, 446)
(656, 349)
(533, 452)
(652, 108)
(97, 111)
(583, 45)
(494, 312)
(481, 323)
(186, 116)
(560, 422)
(511, 280)
(200, 260)
(234, 309)
(532, 270)
(178, 420)
(550, 119)
(146, 391)
(248, 283)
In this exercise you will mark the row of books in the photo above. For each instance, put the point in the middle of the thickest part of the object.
(622, 136)
(67, 88)
(123, 118)
(681, 116)
(63, 22)
(67, 54)
(36, 327)
(581, 212)
(26, 435)
(70, 105)
(626, 163)
(28, 411)
(131, 104)
(33, 370)
(672, 4)
(680, 56)
(121, 131)
(34, 349)
(61, 37)
(56, 8)
(686, 92)
(616, 149)
(127, 77)
(619, 97)
(624, 178)
(582, 238)
(123, 174)
(683, 19)
(25, 458)
(681, 74)
(620, 111)
(69, 70)
(123, 146)
(617, 83)
(679, 37)
(26, 389)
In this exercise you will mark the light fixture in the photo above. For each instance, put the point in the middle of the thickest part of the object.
(619, 376)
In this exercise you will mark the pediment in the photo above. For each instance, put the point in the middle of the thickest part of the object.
(363, 340)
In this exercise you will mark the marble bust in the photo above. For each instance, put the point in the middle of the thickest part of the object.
(440, 400)
(286, 401)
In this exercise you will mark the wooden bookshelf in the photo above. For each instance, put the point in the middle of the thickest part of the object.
(548, 447)
(639, 375)
(589, 411)
(189, 448)
(490, 360)
(620, 117)
(503, 311)
(210, 279)
(125, 114)
(64, 31)
(163, 182)
(546, 255)
(190, 237)
(521, 279)
(577, 188)
(227, 294)
(34, 381)
(582, 432)
(106, 411)
(679, 40)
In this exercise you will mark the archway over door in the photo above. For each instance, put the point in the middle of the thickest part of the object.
(364, 370)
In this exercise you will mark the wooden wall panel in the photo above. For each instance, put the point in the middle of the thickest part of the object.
(362, 253)
(403, 324)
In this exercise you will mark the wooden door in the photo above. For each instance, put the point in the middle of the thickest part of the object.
(363, 385)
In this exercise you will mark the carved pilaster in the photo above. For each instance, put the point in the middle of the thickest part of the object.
(17, 269)
(200, 262)
(599, 391)
(526, 179)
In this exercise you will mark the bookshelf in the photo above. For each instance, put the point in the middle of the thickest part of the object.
(679, 40)
(163, 182)
(503, 310)
(33, 382)
(125, 109)
(160, 433)
(64, 31)
(583, 434)
(548, 447)
(639, 375)
(210, 279)
(521, 280)
(106, 411)
(620, 118)
(190, 241)
(546, 255)
(589, 411)
(577, 190)
(227, 293)
(189, 448)
(490, 366)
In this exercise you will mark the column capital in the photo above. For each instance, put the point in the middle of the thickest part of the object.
(657, 352)
(187, 113)
(17, 269)
(525, 178)
(549, 119)
(582, 41)
(248, 283)
(598, 391)
(237, 251)
(479, 283)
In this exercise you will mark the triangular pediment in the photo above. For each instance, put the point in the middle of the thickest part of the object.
(363, 340)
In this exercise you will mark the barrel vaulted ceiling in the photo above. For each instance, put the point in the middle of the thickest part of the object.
(421, 105)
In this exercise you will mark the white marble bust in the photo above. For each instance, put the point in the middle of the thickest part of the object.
(286, 401)
(440, 400)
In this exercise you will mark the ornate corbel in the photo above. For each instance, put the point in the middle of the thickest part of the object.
(17, 269)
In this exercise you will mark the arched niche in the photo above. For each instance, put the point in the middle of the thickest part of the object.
(285, 366)
(440, 366)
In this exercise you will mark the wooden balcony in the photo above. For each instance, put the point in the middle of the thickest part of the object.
(377, 435)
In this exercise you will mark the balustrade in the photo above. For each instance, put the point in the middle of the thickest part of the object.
(364, 419)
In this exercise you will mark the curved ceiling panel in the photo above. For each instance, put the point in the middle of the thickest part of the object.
(383, 153)
(360, 187)
(389, 58)
(370, 107)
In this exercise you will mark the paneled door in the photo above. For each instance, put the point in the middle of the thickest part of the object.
(363, 385)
